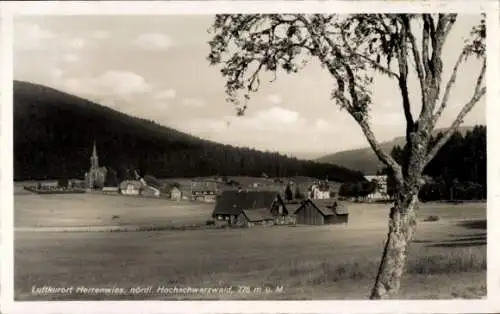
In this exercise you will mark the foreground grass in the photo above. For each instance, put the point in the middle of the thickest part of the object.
(446, 260)
(311, 273)
(305, 271)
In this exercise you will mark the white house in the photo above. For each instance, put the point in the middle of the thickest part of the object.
(110, 190)
(175, 194)
(381, 190)
(130, 187)
(319, 192)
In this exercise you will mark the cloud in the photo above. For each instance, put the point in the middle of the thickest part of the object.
(388, 119)
(76, 43)
(165, 94)
(31, 37)
(193, 102)
(71, 57)
(275, 99)
(56, 73)
(101, 34)
(276, 115)
(119, 84)
(153, 41)
(275, 119)
(123, 82)
(322, 126)
(109, 102)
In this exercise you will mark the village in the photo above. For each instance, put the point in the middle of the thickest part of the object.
(261, 201)
(263, 152)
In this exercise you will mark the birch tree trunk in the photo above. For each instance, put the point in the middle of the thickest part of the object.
(402, 222)
(402, 218)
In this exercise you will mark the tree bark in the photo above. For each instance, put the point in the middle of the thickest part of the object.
(402, 223)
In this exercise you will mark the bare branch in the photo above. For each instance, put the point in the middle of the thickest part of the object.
(381, 154)
(417, 60)
(403, 85)
(427, 32)
(374, 144)
(373, 63)
(447, 90)
(478, 94)
(351, 107)
(445, 24)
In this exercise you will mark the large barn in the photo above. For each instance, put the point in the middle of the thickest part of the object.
(311, 213)
(251, 217)
(230, 204)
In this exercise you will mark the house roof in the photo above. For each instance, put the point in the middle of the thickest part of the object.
(259, 214)
(233, 202)
(203, 186)
(322, 187)
(326, 209)
(135, 184)
(340, 208)
(152, 181)
(293, 206)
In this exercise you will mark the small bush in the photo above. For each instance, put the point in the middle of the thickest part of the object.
(432, 218)
(210, 222)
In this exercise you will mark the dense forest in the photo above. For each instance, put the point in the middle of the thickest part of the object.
(365, 160)
(54, 133)
(458, 172)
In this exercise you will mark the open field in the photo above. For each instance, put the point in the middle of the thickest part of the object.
(447, 259)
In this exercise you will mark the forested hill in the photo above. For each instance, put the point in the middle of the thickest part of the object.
(365, 160)
(54, 132)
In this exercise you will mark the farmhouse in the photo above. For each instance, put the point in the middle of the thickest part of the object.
(130, 187)
(203, 190)
(149, 191)
(380, 192)
(110, 190)
(230, 204)
(310, 213)
(175, 194)
(251, 217)
(76, 184)
(48, 184)
(153, 182)
(320, 191)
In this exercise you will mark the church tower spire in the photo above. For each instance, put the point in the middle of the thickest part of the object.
(94, 160)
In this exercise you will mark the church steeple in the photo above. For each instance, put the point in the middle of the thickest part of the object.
(94, 160)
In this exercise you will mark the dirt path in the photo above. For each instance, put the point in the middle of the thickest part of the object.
(130, 228)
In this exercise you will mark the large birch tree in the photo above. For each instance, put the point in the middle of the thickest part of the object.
(356, 49)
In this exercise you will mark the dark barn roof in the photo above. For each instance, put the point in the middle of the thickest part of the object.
(234, 202)
(257, 215)
(326, 209)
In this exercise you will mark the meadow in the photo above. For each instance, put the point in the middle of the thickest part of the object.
(447, 259)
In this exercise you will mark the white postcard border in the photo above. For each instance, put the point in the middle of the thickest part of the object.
(8, 10)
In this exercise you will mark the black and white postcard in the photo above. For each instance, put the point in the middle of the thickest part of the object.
(236, 151)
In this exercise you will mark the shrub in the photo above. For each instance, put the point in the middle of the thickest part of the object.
(432, 218)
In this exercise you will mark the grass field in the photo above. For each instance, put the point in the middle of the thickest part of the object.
(447, 258)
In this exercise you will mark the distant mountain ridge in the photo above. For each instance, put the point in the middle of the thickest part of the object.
(54, 132)
(365, 160)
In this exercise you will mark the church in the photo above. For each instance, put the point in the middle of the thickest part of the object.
(96, 176)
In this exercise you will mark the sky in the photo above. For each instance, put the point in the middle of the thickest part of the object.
(155, 67)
